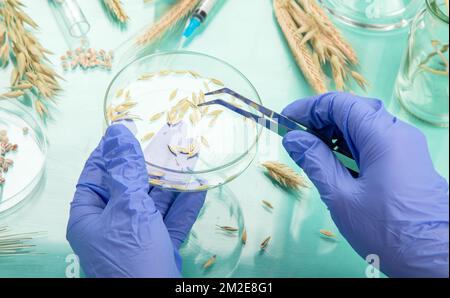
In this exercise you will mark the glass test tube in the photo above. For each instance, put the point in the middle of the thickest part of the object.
(73, 17)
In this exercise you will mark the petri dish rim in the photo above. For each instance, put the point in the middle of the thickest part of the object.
(13, 201)
(170, 53)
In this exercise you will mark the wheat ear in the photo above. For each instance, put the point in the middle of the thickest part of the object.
(302, 54)
(173, 16)
(30, 75)
(284, 175)
(315, 31)
(116, 9)
(332, 33)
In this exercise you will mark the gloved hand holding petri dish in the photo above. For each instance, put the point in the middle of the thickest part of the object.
(186, 147)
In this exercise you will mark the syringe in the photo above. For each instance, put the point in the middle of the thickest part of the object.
(199, 16)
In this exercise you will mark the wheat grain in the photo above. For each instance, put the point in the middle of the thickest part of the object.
(148, 137)
(201, 97)
(156, 174)
(178, 187)
(204, 141)
(265, 242)
(217, 82)
(194, 98)
(228, 228)
(146, 76)
(215, 113)
(202, 187)
(244, 236)
(212, 122)
(195, 117)
(327, 233)
(210, 262)
(206, 86)
(267, 204)
(119, 93)
(156, 117)
(156, 182)
(5, 147)
(173, 95)
(12, 94)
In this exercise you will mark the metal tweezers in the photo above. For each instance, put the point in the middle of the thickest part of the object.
(282, 125)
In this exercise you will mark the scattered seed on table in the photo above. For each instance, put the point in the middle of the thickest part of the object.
(264, 244)
(327, 233)
(210, 262)
(244, 236)
(228, 228)
(267, 204)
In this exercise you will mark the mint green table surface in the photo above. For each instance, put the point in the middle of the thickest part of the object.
(245, 34)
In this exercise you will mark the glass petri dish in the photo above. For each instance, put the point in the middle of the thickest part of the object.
(207, 239)
(24, 175)
(374, 15)
(186, 148)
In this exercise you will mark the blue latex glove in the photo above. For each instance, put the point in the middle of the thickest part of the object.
(398, 207)
(119, 226)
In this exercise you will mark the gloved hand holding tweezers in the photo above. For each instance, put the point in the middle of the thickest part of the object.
(398, 207)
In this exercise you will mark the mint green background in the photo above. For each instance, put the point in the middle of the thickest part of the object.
(245, 34)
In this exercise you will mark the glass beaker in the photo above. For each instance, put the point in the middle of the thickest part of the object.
(422, 83)
(373, 15)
